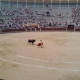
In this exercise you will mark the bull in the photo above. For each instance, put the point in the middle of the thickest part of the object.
(31, 41)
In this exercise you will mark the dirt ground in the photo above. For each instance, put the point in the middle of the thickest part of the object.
(59, 59)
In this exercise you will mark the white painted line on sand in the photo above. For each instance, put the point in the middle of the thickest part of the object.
(1, 37)
(4, 38)
(39, 66)
(48, 60)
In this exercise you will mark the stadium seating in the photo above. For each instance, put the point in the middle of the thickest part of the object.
(14, 16)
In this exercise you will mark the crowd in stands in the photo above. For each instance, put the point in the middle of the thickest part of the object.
(5, 12)
(76, 16)
(49, 17)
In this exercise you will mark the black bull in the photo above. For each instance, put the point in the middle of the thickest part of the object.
(31, 41)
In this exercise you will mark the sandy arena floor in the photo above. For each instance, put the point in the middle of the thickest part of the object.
(58, 60)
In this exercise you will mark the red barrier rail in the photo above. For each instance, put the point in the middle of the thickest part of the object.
(42, 29)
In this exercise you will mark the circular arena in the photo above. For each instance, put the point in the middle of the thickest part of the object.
(39, 40)
(59, 59)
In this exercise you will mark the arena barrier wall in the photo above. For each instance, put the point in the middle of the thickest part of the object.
(78, 29)
(13, 30)
(42, 29)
